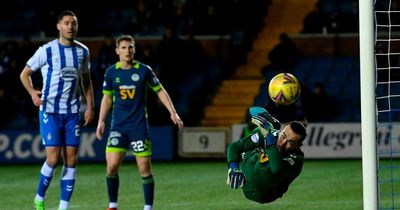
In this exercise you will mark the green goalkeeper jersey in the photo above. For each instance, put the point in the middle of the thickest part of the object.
(267, 172)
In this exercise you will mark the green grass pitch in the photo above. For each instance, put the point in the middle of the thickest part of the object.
(197, 185)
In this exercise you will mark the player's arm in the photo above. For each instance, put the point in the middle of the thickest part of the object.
(166, 100)
(26, 80)
(89, 96)
(105, 106)
(292, 166)
(247, 143)
(236, 178)
(269, 127)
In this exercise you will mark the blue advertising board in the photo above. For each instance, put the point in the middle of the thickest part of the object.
(25, 146)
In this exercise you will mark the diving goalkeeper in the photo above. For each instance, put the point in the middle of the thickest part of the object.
(265, 162)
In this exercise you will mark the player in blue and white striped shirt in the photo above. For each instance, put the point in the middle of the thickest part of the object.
(65, 67)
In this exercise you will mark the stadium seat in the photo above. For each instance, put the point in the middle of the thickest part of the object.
(304, 64)
(343, 63)
(328, 6)
(322, 63)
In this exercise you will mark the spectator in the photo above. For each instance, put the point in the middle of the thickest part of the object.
(107, 55)
(319, 106)
(194, 56)
(315, 22)
(283, 56)
(169, 54)
(285, 113)
(146, 54)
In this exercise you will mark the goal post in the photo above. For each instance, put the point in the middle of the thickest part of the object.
(368, 105)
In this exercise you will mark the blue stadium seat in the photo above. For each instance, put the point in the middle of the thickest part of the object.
(304, 64)
(346, 7)
(343, 63)
(299, 73)
(328, 6)
(333, 89)
(323, 63)
(395, 89)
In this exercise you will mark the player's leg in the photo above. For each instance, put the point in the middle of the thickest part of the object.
(70, 158)
(142, 151)
(114, 160)
(144, 165)
(50, 134)
(117, 145)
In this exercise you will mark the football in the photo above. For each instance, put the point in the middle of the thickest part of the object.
(284, 89)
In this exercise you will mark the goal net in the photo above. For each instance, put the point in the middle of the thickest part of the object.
(387, 97)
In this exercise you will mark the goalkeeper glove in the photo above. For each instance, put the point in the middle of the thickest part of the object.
(235, 177)
(265, 122)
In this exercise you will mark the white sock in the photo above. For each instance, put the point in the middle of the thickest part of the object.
(39, 198)
(147, 207)
(63, 204)
(113, 205)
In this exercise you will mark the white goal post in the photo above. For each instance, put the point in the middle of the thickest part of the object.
(368, 105)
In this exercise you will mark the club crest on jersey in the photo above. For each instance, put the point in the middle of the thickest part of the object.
(135, 77)
(255, 138)
(69, 73)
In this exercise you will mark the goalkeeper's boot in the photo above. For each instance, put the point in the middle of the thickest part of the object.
(38, 205)
(112, 209)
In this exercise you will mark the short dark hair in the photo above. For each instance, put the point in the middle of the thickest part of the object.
(65, 13)
(299, 128)
(125, 37)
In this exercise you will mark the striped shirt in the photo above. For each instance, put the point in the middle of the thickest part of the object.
(61, 67)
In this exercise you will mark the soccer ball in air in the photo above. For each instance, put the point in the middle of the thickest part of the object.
(284, 89)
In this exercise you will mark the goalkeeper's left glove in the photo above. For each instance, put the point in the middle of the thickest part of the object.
(235, 177)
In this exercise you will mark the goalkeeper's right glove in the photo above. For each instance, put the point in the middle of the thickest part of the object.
(235, 177)
(266, 122)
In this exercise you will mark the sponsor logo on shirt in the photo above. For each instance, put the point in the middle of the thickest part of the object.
(127, 91)
(69, 73)
(115, 134)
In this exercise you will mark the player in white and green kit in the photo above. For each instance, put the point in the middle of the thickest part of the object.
(124, 88)
(265, 162)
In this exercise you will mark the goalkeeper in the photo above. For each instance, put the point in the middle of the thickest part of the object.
(265, 162)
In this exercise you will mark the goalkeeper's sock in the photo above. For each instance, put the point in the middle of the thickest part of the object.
(112, 187)
(46, 174)
(67, 184)
(148, 189)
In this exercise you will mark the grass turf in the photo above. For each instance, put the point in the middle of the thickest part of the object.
(197, 185)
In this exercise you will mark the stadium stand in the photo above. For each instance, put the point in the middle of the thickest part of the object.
(226, 83)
